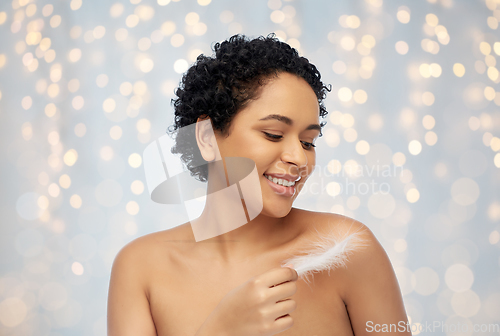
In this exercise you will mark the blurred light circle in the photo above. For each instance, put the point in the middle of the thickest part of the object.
(353, 202)
(144, 44)
(333, 189)
(277, 16)
(428, 98)
(116, 10)
(406, 176)
(360, 96)
(402, 47)
(465, 191)
(403, 15)
(52, 296)
(109, 105)
(350, 135)
(102, 80)
(27, 206)
(414, 147)
(65, 181)
(108, 193)
(339, 67)
(146, 65)
(345, 94)
(459, 278)
(362, 147)
(132, 20)
(334, 166)
(99, 32)
(132, 208)
(412, 195)
(13, 312)
(83, 247)
(75, 4)
(426, 281)
(137, 187)
(347, 42)
(130, 228)
(119, 112)
(494, 210)
(106, 153)
(177, 40)
(121, 34)
(77, 268)
(75, 201)
(77, 102)
(200, 29)
(70, 157)
(398, 159)
(181, 65)
(168, 28)
(466, 303)
(381, 205)
(144, 12)
(431, 138)
(458, 69)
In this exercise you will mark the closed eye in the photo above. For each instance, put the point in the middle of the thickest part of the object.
(275, 137)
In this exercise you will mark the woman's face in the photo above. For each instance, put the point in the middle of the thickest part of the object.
(276, 131)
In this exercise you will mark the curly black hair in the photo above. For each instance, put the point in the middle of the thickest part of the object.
(220, 86)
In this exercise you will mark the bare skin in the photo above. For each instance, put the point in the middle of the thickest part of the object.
(166, 283)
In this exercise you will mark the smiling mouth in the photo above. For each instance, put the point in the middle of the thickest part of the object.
(280, 182)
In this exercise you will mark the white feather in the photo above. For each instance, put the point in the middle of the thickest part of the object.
(327, 252)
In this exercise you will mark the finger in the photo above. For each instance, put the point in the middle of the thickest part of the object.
(282, 291)
(283, 308)
(278, 276)
(282, 323)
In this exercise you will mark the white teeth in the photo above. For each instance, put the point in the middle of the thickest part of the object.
(280, 181)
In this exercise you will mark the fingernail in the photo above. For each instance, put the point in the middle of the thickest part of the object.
(289, 265)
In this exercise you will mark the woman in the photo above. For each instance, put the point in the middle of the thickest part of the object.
(264, 102)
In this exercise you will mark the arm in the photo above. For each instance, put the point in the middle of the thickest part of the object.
(371, 291)
(128, 306)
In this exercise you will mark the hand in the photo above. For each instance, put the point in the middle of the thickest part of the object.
(260, 306)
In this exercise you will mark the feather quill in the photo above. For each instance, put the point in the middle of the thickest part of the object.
(327, 252)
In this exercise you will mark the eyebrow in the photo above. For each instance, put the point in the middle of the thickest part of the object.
(289, 121)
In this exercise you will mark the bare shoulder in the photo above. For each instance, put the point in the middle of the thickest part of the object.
(368, 266)
(366, 254)
(145, 253)
(336, 225)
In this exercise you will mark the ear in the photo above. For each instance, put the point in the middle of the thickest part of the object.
(206, 140)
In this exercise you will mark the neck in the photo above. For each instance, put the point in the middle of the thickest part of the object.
(261, 235)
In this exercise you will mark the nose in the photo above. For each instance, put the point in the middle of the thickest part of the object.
(294, 153)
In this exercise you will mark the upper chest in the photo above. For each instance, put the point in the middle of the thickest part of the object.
(183, 293)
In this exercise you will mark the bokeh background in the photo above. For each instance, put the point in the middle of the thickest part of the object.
(411, 147)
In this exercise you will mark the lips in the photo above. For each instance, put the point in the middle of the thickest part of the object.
(281, 190)
(288, 177)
